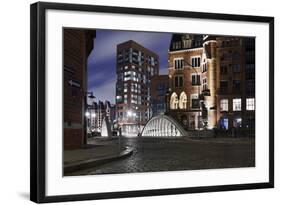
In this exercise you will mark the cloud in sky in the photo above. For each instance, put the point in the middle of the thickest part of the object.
(105, 91)
(110, 40)
(102, 60)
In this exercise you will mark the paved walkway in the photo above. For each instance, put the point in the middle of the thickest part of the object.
(160, 154)
(98, 151)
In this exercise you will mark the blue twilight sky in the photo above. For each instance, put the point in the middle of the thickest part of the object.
(102, 60)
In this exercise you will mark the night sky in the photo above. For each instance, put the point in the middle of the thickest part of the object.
(102, 60)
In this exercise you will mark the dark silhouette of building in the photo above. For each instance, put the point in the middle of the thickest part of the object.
(77, 45)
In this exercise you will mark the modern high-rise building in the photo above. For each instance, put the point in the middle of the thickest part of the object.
(212, 81)
(134, 68)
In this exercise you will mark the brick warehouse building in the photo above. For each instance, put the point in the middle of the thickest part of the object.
(77, 44)
(212, 80)
(134, 68)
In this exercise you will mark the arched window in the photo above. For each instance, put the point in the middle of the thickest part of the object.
(174, 102)
(183, 101)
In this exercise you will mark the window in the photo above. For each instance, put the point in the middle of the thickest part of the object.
(237, 104)
(236, 85)
(223, 69)
(178, 63)
(174, 102)
(224, 104)
(176, 45)
(236, 56)
(223, 86)
(195, 103)
(191, 122)
(195, 79)
(178, 81)
(120, 76)
(205, 85)
(183, 101)
(250, 57)
(187, 43)
(161, 89)
(250, 104)
(224, 123)
(236, 68)
(195, 61)
(237, 122)
(204, 68)
(119, 99)
(250, 87)
(125, 98)
(250, 71)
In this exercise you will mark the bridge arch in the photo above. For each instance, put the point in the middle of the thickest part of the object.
(106, 128)
(162, 126)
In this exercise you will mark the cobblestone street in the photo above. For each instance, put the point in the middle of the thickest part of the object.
(154, 154)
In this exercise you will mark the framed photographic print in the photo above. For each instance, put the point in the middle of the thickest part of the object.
(129, 102)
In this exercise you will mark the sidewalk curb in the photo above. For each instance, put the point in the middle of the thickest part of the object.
(95, 162)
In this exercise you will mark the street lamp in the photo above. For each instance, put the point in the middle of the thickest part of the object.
(129, 113)
(87, 114)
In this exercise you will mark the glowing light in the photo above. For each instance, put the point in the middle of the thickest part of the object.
(129, 113)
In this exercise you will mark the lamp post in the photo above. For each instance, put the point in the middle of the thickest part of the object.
(87, 114)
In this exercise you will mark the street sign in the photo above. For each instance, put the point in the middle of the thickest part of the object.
(74, 83)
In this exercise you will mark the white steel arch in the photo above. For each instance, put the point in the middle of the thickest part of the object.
(162, 126)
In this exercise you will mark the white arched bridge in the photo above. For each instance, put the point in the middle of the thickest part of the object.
(162, 126)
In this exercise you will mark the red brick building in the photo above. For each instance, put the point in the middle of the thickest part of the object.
(77, 44)
(212, 81)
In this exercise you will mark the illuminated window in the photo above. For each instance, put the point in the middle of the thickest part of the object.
(224, 104)
(174, 102)
(237, 104)
(250, 104)
(183, 101)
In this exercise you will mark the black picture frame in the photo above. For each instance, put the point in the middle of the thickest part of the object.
(38, 101)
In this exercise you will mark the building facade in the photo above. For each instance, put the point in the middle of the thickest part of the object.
(184, 60)
(78, 44)
(135, 67)
(212, 81)
(97, 113)
(159, 91)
